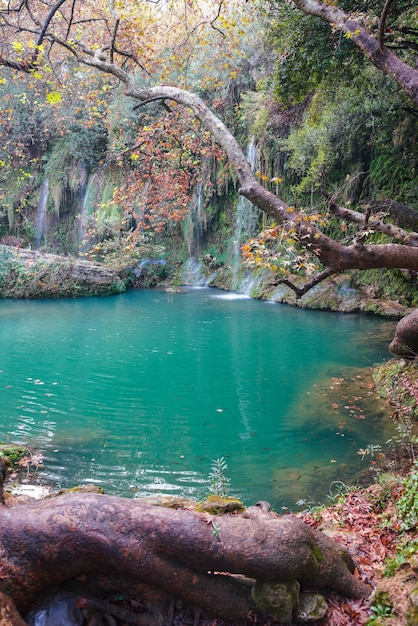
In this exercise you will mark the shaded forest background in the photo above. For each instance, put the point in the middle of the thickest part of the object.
(123, 183)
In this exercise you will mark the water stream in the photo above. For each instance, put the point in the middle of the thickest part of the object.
(139, 393)
(247, 219)
(40, 224)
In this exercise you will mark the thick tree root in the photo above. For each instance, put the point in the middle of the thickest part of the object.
(187, 554)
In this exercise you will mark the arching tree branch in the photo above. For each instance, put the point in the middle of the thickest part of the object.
(405, 75)
(332, 254)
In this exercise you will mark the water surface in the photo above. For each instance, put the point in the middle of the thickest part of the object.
(140, 392)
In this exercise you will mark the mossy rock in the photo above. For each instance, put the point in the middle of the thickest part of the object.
(221, 505)
(277, 599)
(81, 489)
(171, 502)
(312, 607)
(11, 454)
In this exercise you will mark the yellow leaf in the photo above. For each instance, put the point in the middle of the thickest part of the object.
(53, 97)
(16, 45)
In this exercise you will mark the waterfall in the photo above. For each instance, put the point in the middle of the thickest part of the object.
(192, 273)
(40, 224)
(138, 270)
(247, 216)
(195, 223)
(82, 217)
(194, 228)
(86, 191)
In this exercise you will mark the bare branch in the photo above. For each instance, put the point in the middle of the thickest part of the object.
(382, 22)
(16, 10)
(112, 43)
(300, 291)
(157, 99)
(132, 57)
(212, 23)
(16, 65)
(70, 22)
(45, 28)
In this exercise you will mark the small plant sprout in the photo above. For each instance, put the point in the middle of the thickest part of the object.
(371, 450)
(404, 437)
(380, 611)
(218, 479)
(338, 490)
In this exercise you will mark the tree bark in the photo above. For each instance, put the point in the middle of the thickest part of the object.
(179, 551)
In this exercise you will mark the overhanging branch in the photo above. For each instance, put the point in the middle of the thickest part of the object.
(300, 291)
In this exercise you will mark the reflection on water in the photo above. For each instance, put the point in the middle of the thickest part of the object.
(139, 393)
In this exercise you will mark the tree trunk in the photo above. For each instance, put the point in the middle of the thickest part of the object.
(193, 556)
(405, 341)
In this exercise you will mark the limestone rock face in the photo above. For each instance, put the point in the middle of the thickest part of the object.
(32, 274)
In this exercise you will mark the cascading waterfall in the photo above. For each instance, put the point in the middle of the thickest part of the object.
(246, 225)
(196, 222)
(40, 224)
(82, 218)
(88, 189)
(192, 273)
(246, 220)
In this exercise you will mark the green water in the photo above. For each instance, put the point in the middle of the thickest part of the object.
(138, 393)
